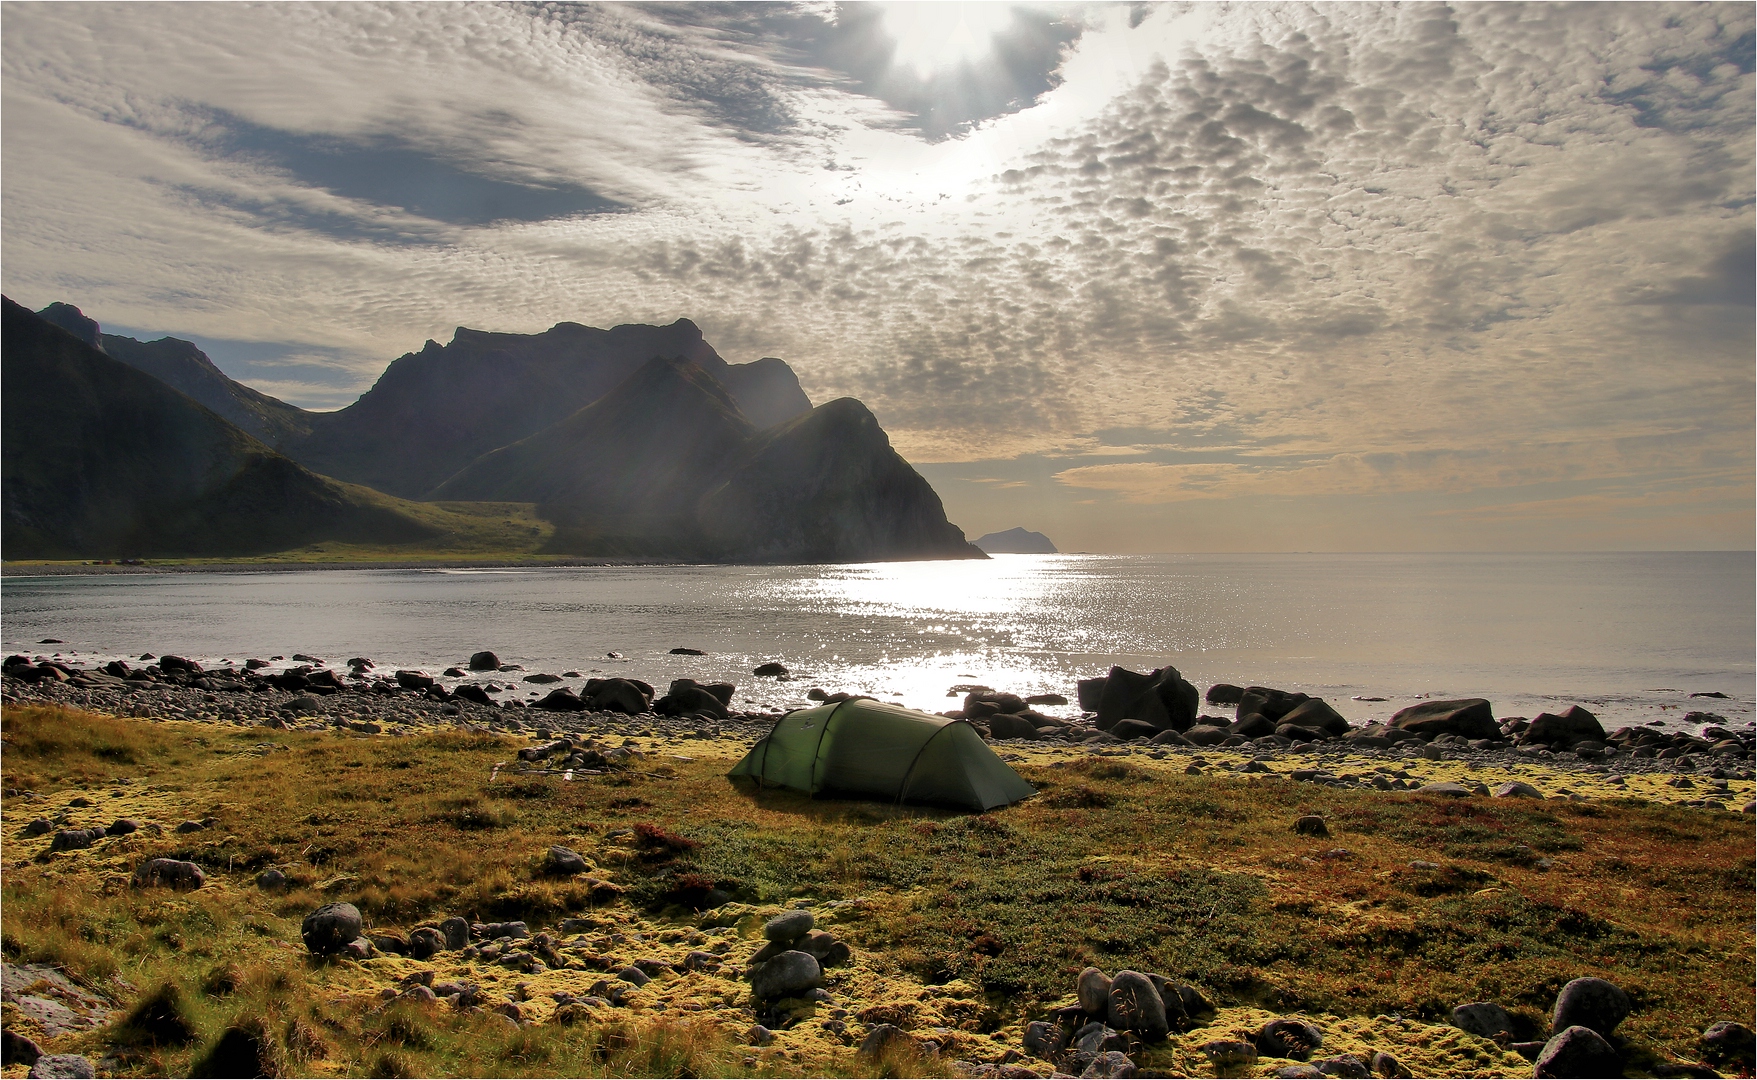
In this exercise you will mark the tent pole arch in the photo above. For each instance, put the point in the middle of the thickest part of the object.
(903, 788)
(817, 751)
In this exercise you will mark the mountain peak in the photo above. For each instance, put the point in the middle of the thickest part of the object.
(1016, 541)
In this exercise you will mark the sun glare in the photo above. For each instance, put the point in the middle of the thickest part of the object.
(935, 37)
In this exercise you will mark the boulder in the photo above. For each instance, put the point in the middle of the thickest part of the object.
(1577, 1052)
(881, 1037)
(330, 928)
(1467, 718)
(688, 698)
(1111, 1063)
(1196, 1004)
(1285, 1037)
(1483, 1018)
(771, 671)
(1590, 1003)
(1271, 703)
(16, 1049)
(123, 826)
(75, 839)
(473, 692)
(482, 661)
(1089, 692)
(1135, 1005)
(1252, 726)
(456, 932)
(788, 926)
(424, 942)
(1044, 1040)
(1126, 730)
(169, 873)
(1295, 733)
(788, 975)
(561, 699)
(1343, 1065)
(1009, 726)
(414, 680)
(271, 879)
(1516, 789)
(1093, 988)
(63, 1067)
(1561, 732)
(618, 695)
(1446, 788)
(565, 861)
(1205, 735)
(1383, 1064)
(1317, 714)
(818, 943)
(1161, 698)
(1224, 694)
(1727, 1042)
(39, 827)
(1311, 825)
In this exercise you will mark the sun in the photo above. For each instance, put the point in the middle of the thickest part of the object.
(935, 37)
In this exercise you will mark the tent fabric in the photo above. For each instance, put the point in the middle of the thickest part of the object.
(869, 749)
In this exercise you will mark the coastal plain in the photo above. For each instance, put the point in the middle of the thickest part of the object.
(963, 928)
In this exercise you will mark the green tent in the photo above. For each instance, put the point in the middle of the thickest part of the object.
(869, 749)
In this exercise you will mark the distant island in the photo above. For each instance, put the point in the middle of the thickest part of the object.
(637, 442)
(1018, 541)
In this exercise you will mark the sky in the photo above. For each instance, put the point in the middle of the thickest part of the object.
(1143, 277)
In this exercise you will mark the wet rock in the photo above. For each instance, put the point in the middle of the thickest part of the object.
(1311, 825)
(170, 874)
(1093, 988)
(483, 661)
(561, 700)
(771, 671)
(414, 680)
(618, 695)
(1224, 694)
(1288, 1038)
(1483, 1018)
(789, 926)
(63, 1067)
(687, 652)
(330, 928)
(1727, 1042)
(1590, 1003)
(1562, 731)
(787, 975)
(1134, 1005)
(1577, 1052)
(1229, 1053)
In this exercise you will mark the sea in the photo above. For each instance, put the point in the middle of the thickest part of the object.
(1636, 638)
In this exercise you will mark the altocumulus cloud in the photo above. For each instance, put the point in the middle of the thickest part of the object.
(1492, 261)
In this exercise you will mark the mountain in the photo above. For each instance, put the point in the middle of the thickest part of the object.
(99, 460)
(1016, 542)
(434, 412)
(623, 474)
(667, 465)
(182, 366)
(827, 487)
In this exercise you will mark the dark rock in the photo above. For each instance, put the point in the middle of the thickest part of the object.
(1127, 730)
(39, 827)
(1089, 692)
(1577, 1052)
(1195, 1003)
(390, 942)
(482, 661)
(771, 670)
(1446, 788)
(1044, 1040)
(561, 699)
(1093, 988)
(1516, 789)
(456, 932)
(192, 826)
(1590, 1003)
(634, 976)
(169, 873)
(880, 1038)
(1317, 714)
(1046, 699)
(787, 975)
(1098, 1037)
(1573, 726)
(1135, 1005)
(1205, 735)
(16, 1049)
(425, 942)
(542, 678)
(1229, 1053)
(687, 652)
(75, 839)
(1467, 718)
(618, 695)
(414, 680)
(788, 926)
(1008, 726)
(1161, 698)
(1483, 1018)
(1343, 1065)
(330, 928)
(689, 698)
(1252, 726)
(1295, 733)
(1268, 702)
(473, 692)
(1311, 825)
(271, 879)
(566, 861)
(1224, 694)
(1383, 1064)
(122, 827)
(178, 663)
(1288, 1038)
(1731, 1043)
(63, 1067)
(1111, 1063)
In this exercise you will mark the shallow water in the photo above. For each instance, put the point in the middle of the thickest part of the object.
(1628, 635)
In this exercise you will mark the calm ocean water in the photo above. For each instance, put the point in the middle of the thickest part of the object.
(1631, 636)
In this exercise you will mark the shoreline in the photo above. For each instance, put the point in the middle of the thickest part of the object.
(58, 569)
(1690, 777)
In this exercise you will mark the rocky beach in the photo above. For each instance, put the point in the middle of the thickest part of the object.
(627, 912)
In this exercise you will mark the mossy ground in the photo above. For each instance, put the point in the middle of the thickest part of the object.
(964, 926)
